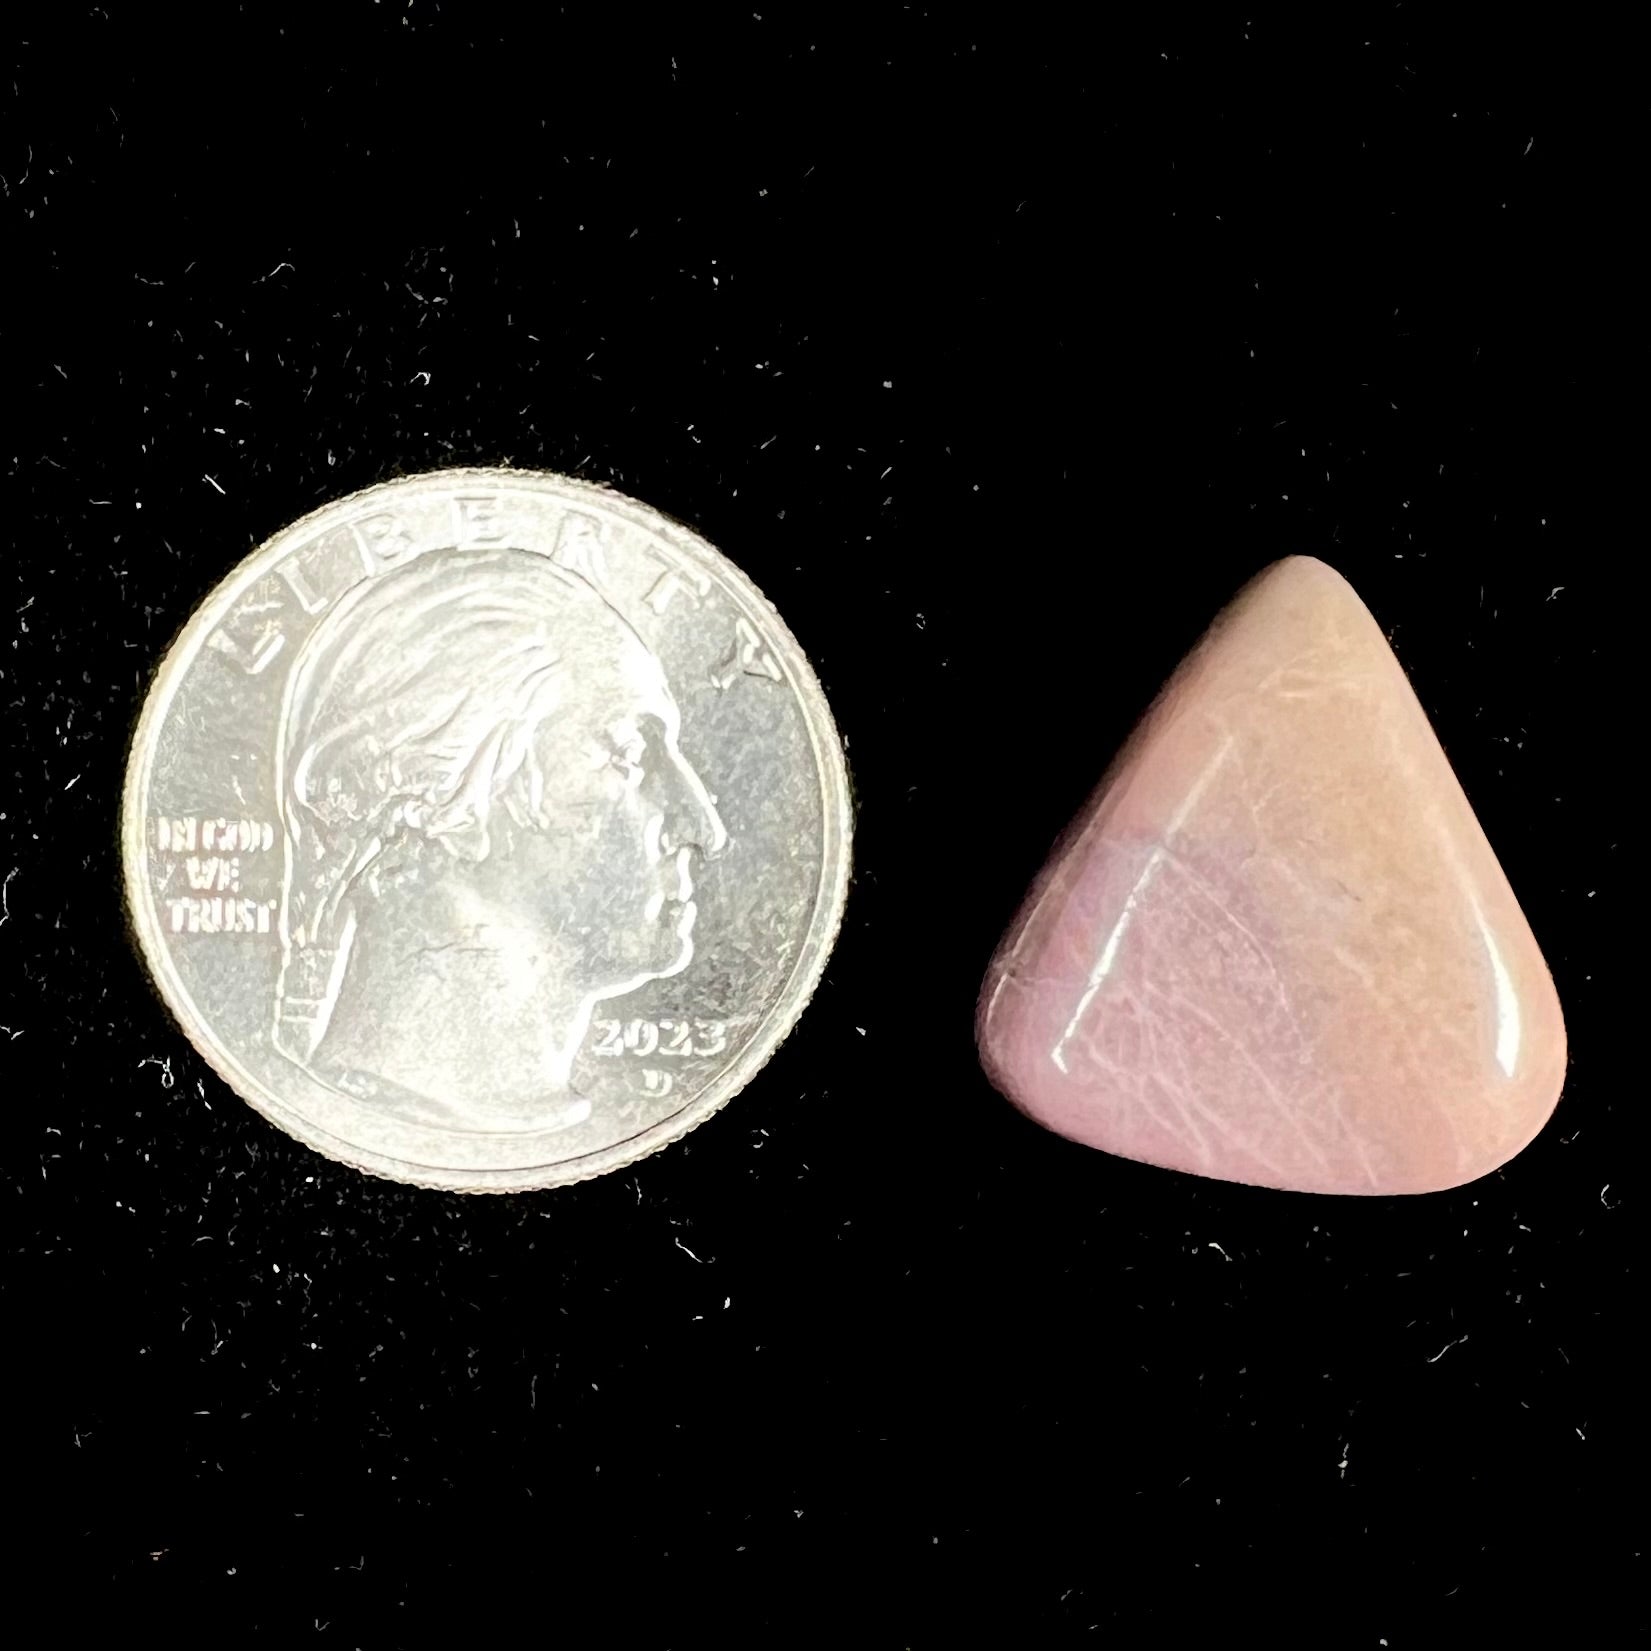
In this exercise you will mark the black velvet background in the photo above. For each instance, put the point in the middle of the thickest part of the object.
(999, 353)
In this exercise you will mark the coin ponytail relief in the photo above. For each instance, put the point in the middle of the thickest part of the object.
(311, 972)
(357, 817)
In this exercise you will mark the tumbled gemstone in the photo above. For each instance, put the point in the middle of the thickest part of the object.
(1276, 946)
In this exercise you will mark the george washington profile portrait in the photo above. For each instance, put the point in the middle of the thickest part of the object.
(489, 828)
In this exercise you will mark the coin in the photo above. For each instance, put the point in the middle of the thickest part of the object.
(486, 830)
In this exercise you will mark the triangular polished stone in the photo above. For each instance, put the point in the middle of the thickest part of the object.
(1276, 947)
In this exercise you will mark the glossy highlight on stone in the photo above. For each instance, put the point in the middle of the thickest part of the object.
(1276, 947)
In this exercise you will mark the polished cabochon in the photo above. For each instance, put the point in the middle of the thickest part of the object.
(1277, 947)
(486, 830)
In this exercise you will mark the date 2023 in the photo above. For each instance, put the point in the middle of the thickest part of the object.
(655, 1038)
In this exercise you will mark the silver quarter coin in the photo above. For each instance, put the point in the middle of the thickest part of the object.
(486, 830)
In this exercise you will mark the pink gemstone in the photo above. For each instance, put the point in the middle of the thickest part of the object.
(1276, 946)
